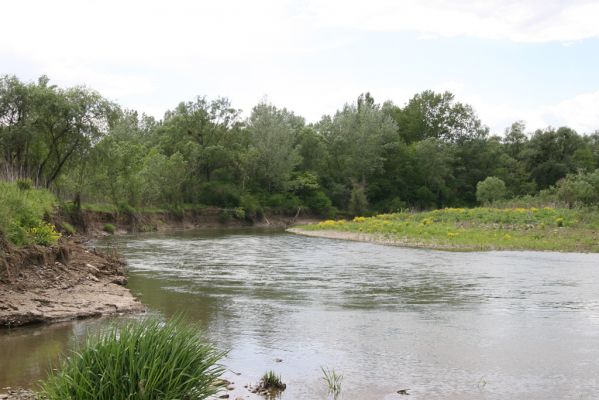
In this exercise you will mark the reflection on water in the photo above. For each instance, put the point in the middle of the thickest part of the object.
(445, 325)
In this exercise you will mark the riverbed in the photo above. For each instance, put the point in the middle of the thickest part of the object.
(444, 325)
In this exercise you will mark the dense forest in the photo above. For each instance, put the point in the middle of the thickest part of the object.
(429, 153)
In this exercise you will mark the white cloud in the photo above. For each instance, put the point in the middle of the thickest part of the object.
(578, 112)
(151, 54)
(516, 20)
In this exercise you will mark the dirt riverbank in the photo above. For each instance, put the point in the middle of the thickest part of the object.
(66, 281)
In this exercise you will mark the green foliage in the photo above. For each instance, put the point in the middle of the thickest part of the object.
(24, 184)
(318, 202)
(358, 203)
(250, 205)
(109, 228)
(429, 153)
(219, 194)
(22, 214)
(45, 234)
(139, 360)
(579, 189)
(283, 203)
(490, 190)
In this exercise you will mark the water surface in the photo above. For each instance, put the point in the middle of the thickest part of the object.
(445, 325)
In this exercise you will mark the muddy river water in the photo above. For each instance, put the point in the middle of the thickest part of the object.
(496, 325)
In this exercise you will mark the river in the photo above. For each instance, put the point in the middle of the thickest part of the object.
(493, 325)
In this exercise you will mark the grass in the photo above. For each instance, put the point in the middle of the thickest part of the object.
(22, 213)
(272, 381)
(109, 228)
(333, 381)
(139, 360)
(546, 228)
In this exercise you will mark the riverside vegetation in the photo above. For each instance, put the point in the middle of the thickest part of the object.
(139, 360)
(517, 228)
(368, 157)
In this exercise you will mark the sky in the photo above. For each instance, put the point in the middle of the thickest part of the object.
(530, 60)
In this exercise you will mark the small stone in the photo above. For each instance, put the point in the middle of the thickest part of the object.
(224, 396)
(278, 360)
(230, 387)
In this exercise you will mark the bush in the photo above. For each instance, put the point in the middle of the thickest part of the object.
(109, 228)
(579, 189)
(283, 202)
(22, 214)
(490, 190)
(250, 204)
(126, 208)
(45, 234)
(318, 202)
(139, 360)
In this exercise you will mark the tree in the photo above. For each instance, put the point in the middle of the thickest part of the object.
(439, 116)
(272, 154)
(490, 190)
(355, 138)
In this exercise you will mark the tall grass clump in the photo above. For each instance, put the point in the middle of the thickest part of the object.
(22, 212)
(333, 381)
(139, 360)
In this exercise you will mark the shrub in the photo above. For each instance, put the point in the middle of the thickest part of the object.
(139, 360)
(23, 210)
(578, 189)
(45, 234)
(250, 204)
(318, 202)
(224, 216)
(283, 202)
(239, 213)
(490, 190)
(109, 228)
(126, 208)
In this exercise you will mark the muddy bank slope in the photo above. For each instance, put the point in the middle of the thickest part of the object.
(66, 281)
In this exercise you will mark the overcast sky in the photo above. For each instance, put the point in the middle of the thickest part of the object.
(536, 61)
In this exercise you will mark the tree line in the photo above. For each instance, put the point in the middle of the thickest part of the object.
(431, 152)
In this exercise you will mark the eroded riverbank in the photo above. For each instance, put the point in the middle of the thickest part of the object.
(61, 282)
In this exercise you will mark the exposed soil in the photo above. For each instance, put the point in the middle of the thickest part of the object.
(67, 281)
(92, 223)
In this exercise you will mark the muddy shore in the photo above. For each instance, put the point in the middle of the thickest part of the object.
(58, 283)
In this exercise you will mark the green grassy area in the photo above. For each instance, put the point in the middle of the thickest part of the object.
(480, 229)
(22, 213)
